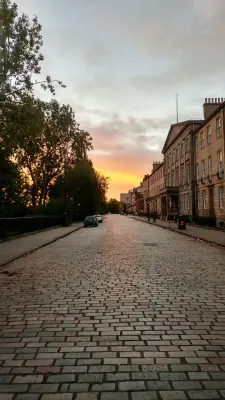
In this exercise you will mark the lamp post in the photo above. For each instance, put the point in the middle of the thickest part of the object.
(148, 200)
(66, 222)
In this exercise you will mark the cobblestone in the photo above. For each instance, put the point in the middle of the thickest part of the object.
(97, 317)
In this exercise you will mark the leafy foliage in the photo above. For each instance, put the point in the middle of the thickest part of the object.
(20, 56)
(45, 138)
(86, 190)
(114, 206)
(41, 139)
(12, 191)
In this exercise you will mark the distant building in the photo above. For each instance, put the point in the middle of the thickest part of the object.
(123, 197)
(209, 156)
(191, 180)
(135, 201)
(153, 183)
(156, 183)
(177, 195)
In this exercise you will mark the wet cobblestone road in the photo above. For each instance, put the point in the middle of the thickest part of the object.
(125, 311)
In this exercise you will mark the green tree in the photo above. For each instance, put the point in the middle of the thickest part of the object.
(45, 138)
(86, 190)
(20, 56)
(12, 190)
(114, 206)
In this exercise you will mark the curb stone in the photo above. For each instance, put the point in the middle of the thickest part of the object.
(26, 253)
(182, 233)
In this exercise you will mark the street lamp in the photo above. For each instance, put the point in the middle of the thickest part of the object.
(148, 200)
(66, 222)
(66, 164)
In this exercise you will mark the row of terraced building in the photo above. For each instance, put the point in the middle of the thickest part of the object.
(190, 179)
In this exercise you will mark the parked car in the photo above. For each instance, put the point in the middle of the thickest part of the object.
(99, 218)
(91, 221)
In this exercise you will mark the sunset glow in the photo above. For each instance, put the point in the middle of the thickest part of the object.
(122, 83)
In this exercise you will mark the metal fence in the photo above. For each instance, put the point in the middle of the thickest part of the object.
(17, 226)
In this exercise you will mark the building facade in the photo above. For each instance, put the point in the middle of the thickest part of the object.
(156, 183)
(146, 193)
(123, 197)
(135, 200)
(209, 155)
(152, 185)
(177, 194)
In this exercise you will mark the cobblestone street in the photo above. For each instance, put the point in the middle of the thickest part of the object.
(125, 311)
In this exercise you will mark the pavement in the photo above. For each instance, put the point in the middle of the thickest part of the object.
(124, 311)
(209, 235)
(13, 249)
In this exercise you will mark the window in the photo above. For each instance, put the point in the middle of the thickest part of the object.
(186, 145)
(182, 174)
(188, 202)
(172, 158)
(202, 140)
(208, 135)
(197, 172)
(172, 178)
(204, 199)
(220, 194)
(203, 170)
(210, 167)
(169, 180)
(218, 127)
(177, 177)
(220, 161)
(177, 154)
(198, 200)
(187, 171)
(196, 143)
(169, 161)
(182, 149)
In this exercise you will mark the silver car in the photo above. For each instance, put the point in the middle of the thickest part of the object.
(99, 218)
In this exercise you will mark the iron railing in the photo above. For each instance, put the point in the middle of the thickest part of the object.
(17, 226)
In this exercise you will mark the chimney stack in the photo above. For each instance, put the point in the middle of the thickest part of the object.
(156, 164)
(211, 105)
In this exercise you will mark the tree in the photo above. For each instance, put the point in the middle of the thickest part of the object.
(86, 190)
(114, 206)
(44, 138)
(12, 190)
(20, 57)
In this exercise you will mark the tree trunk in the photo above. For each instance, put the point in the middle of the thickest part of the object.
(34, 195)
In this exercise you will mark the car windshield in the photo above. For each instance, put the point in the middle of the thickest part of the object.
(90, 218)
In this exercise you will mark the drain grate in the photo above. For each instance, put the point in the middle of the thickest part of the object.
(150, 244)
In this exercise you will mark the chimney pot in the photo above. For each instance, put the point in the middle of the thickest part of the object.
(205, 99)
(216, 100)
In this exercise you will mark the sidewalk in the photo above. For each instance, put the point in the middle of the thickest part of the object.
(208, 235)
(12, 249)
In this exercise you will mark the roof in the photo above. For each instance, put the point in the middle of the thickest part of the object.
(176, 130)
(219, 108)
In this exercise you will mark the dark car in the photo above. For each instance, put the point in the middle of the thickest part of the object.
(91, 221)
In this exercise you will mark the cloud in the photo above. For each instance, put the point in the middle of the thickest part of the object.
(123, 61)
(125, 149)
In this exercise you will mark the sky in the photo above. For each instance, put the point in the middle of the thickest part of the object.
(123, 61)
